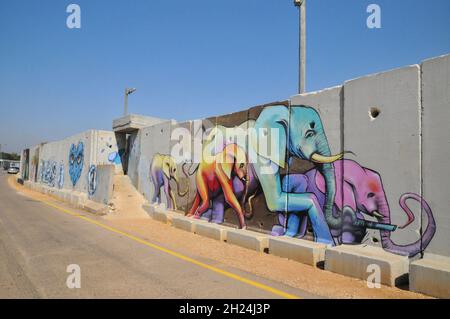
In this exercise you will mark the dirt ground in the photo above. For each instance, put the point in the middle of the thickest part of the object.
(294, 274)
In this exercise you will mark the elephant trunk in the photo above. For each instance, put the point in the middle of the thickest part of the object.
(181, 194)
(327, 171)
(416, 247)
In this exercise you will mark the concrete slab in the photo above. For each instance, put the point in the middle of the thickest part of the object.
(211, 230)
(436, 132)
(431, 276)
(304, 251)
(184, 223)
(248, 239)
(353, 261)
(374, 106)
(132, 122)
(149, 209)
(95, 208)
(161, 216)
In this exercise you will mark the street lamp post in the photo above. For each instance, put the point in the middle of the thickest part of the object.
(128, 91)
(301, 4)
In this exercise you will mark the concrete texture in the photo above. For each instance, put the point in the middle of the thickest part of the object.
(184, 223)
(436, 147)
(150, 209)
(75, 199)
(210, 230)
(133, 122)
(304, 251)
(353, 261)
(431, 276)
(389, 144)
(248, 239)
(105, 180)
(162, 215)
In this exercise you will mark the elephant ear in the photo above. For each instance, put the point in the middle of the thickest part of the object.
(166, 167)
(344, 195)
(271, 128)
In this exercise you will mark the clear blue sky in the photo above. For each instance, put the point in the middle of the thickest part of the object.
(189, 59)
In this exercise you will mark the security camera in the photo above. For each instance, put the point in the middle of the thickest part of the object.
(298, 3)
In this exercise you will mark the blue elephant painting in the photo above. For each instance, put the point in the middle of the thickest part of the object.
(76, 159)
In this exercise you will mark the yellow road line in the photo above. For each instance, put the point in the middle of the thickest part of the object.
(178, 255)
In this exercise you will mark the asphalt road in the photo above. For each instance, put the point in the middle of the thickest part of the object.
(38, 242)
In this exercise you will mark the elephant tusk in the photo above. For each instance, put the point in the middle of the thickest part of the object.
(317, 158)
(377, 214)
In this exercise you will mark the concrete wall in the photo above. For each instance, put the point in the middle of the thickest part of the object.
(72, 164)
(390, 191)
(389, 143)
(380, 118)
(436, 147)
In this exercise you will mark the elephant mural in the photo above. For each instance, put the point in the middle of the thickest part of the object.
(362, 192)
(298, 132)
(214, 183)
(163, 169)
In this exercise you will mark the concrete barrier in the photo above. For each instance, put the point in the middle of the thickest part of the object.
(210, 230)
(431, 276)
(149, 209)
(248, 239)
(184, 223)
(162, 216)
(304, 251)
(353, 261)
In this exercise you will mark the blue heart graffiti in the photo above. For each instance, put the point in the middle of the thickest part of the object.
(76, 159)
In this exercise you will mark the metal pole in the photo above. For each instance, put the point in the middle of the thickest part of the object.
(302, 48)
(125, 111)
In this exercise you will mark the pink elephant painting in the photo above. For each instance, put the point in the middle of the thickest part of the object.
(362, 193)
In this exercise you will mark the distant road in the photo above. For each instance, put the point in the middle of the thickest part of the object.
(38, 242)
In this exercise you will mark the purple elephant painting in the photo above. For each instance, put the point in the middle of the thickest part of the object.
(362, 192)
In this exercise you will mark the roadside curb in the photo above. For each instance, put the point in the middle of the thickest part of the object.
(75, 199)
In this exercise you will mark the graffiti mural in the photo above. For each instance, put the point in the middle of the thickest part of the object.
(48, 173)
(214, 183)
(163, 169)
(114, 157)
(76, 159)
(362, 193)
(92, 180)
(297, 189)
(61, 176)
